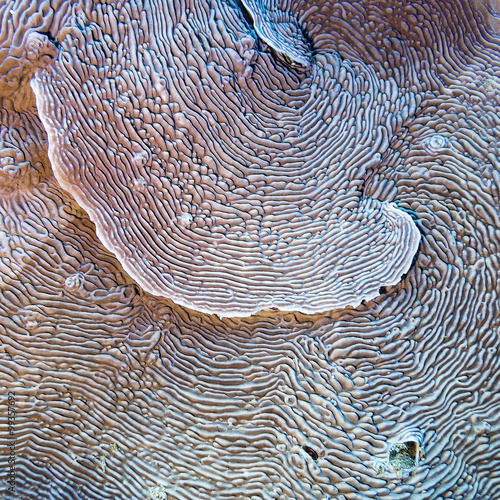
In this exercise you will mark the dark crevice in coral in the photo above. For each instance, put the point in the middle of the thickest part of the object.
(51, 38)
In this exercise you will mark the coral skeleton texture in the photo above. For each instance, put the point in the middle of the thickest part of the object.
(249, 250)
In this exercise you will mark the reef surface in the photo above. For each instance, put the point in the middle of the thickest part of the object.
(249, 250)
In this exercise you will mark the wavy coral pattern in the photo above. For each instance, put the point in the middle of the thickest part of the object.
(219, 177)
(117, 393)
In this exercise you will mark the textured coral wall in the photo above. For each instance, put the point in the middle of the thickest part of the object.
(110, 392)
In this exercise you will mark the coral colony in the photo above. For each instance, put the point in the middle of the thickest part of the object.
(249, 250)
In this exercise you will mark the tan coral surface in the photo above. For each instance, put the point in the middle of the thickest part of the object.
(108, 392)
(220, 177)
